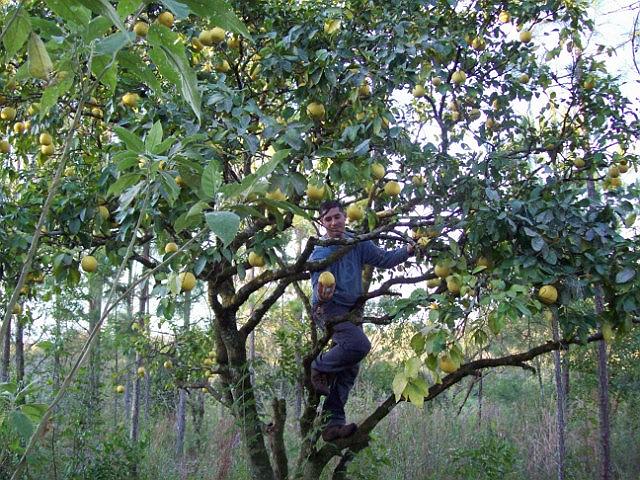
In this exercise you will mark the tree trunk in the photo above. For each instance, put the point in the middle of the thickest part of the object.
(6, 355)
(560, 403)
(137, 383)
(181, 415)
(19, 352)
(95, 310)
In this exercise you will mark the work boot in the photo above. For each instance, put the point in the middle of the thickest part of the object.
(320, 382)
(334, 432)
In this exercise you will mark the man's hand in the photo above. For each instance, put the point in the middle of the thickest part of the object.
(325, 293)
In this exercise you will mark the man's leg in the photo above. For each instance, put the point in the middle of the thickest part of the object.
(335, 402)
(351, 346)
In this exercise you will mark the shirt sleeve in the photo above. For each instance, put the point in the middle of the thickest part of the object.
(377, 257)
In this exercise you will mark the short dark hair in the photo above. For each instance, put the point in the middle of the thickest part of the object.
(328, 205)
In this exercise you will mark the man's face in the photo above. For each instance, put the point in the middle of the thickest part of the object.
(334, 220)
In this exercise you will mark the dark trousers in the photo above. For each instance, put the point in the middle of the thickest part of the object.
(350, 346)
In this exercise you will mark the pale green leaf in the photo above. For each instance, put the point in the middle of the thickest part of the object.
(131, 141)
(125, 181)
(399, 384)
(40, 65)
(188, 81)
(17, 33)
(224, 224)
(211, 178)
(154, 137)
(412, 367)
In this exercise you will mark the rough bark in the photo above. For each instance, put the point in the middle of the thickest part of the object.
(6, 355)
(560, 404)
(276, 439)
(181, 416)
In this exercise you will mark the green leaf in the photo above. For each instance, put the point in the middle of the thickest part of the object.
(112, 44)
(53, 92)
(197, 209)
(70, 11)
(221, 14)
(421, 385)
(107, 71)
(362, 148)
(400, 382)
(188, 81)
(125, 181)
(104, 8)
(98, 27)
(179, 9)
(412, 367)
(16, 34)
(211, 178)
(40, 65)
(186, 221)
(131, 141)
(34, 411)
(154, 137)
(21, 424)
(414, 395)
(625, 275)
(418, 343)
(224, 224)
(135, 66)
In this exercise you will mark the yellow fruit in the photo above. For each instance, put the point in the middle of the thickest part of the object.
(187, 281)
(315, 193)
(104, 212)
(166, 19)
(223, 66)
(418, 91)
(5, 147)
(277, 195)
(331, 26)
(180, 182)
(120, 389)
(418, 180)
(526, 36)
(196, 44)
(447, 365)
(614, 172)
(171, 247)
(616, 182)
(453, 285)
(17, 309)
(89, 263)
(234, 42)
(490, 123)
(355, 212)
(217, 34)
(524, 78)
(483, 262)
(392, 188)
(623, 168)
(364, 90)
(206, 38)
(474, 114)
(434, 282)
(378, 171)
(33, 108)
(141, 371)
(315, 110)
(168, 364)
(18, 128)
(45, 139)
(97, 112)
(130, 100)
(589, 84)
(423, 242)
(47, 150)
(579, 162)
(458, 77)
(141, 29)
(256, 260)
(436, 81)
(504, 17)
(8, 113)
(478, 44)
(442, 270)
(548, 294)
(327, 279)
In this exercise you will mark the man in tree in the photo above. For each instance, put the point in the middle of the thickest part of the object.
(333, 373)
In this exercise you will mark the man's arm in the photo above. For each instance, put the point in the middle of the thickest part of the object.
(377, 257)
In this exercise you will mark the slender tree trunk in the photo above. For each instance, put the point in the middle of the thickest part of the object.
(130, 372)
(19, 352)
(603, 381)
(137, 383)
(95, 310)
(560, 403)
(6, 355)
(181, 415)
